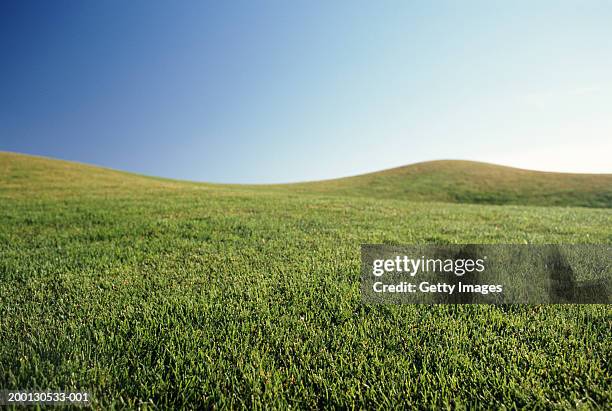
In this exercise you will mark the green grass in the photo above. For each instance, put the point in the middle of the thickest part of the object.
(472, 182)
(169, 294)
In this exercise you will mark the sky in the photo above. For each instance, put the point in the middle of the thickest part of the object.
(283, 91)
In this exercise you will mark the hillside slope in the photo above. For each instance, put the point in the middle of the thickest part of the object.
(32, 176)
(459, 181)
(445, 181)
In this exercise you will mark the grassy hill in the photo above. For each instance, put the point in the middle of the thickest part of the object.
(153, 292)
(26, 175)
(459, 181)
(451, 181)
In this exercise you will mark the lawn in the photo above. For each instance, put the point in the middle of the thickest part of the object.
(157, 293)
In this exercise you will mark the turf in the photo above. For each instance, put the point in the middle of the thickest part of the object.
(158, 293)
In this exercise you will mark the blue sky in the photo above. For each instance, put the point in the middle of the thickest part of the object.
(277, 91)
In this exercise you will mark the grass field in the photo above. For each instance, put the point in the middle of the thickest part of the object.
(153, 292)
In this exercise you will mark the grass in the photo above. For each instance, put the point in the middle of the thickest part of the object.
(472, 182)
(157, 293)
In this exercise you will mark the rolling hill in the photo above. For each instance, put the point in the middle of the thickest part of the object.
(158, 294)
(458, 181)
(452, 181)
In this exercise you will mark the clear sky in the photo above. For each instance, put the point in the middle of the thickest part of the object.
(278, 91)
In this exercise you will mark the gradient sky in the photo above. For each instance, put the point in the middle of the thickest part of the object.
(278, 91)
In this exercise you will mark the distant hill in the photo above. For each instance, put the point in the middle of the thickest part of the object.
(31, 176)
(460, 181)
(444, 181)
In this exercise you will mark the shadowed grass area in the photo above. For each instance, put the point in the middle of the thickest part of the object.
(156, 292)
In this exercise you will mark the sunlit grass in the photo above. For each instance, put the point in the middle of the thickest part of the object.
(150, 291)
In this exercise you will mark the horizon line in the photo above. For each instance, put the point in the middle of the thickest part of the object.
(458, 160)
